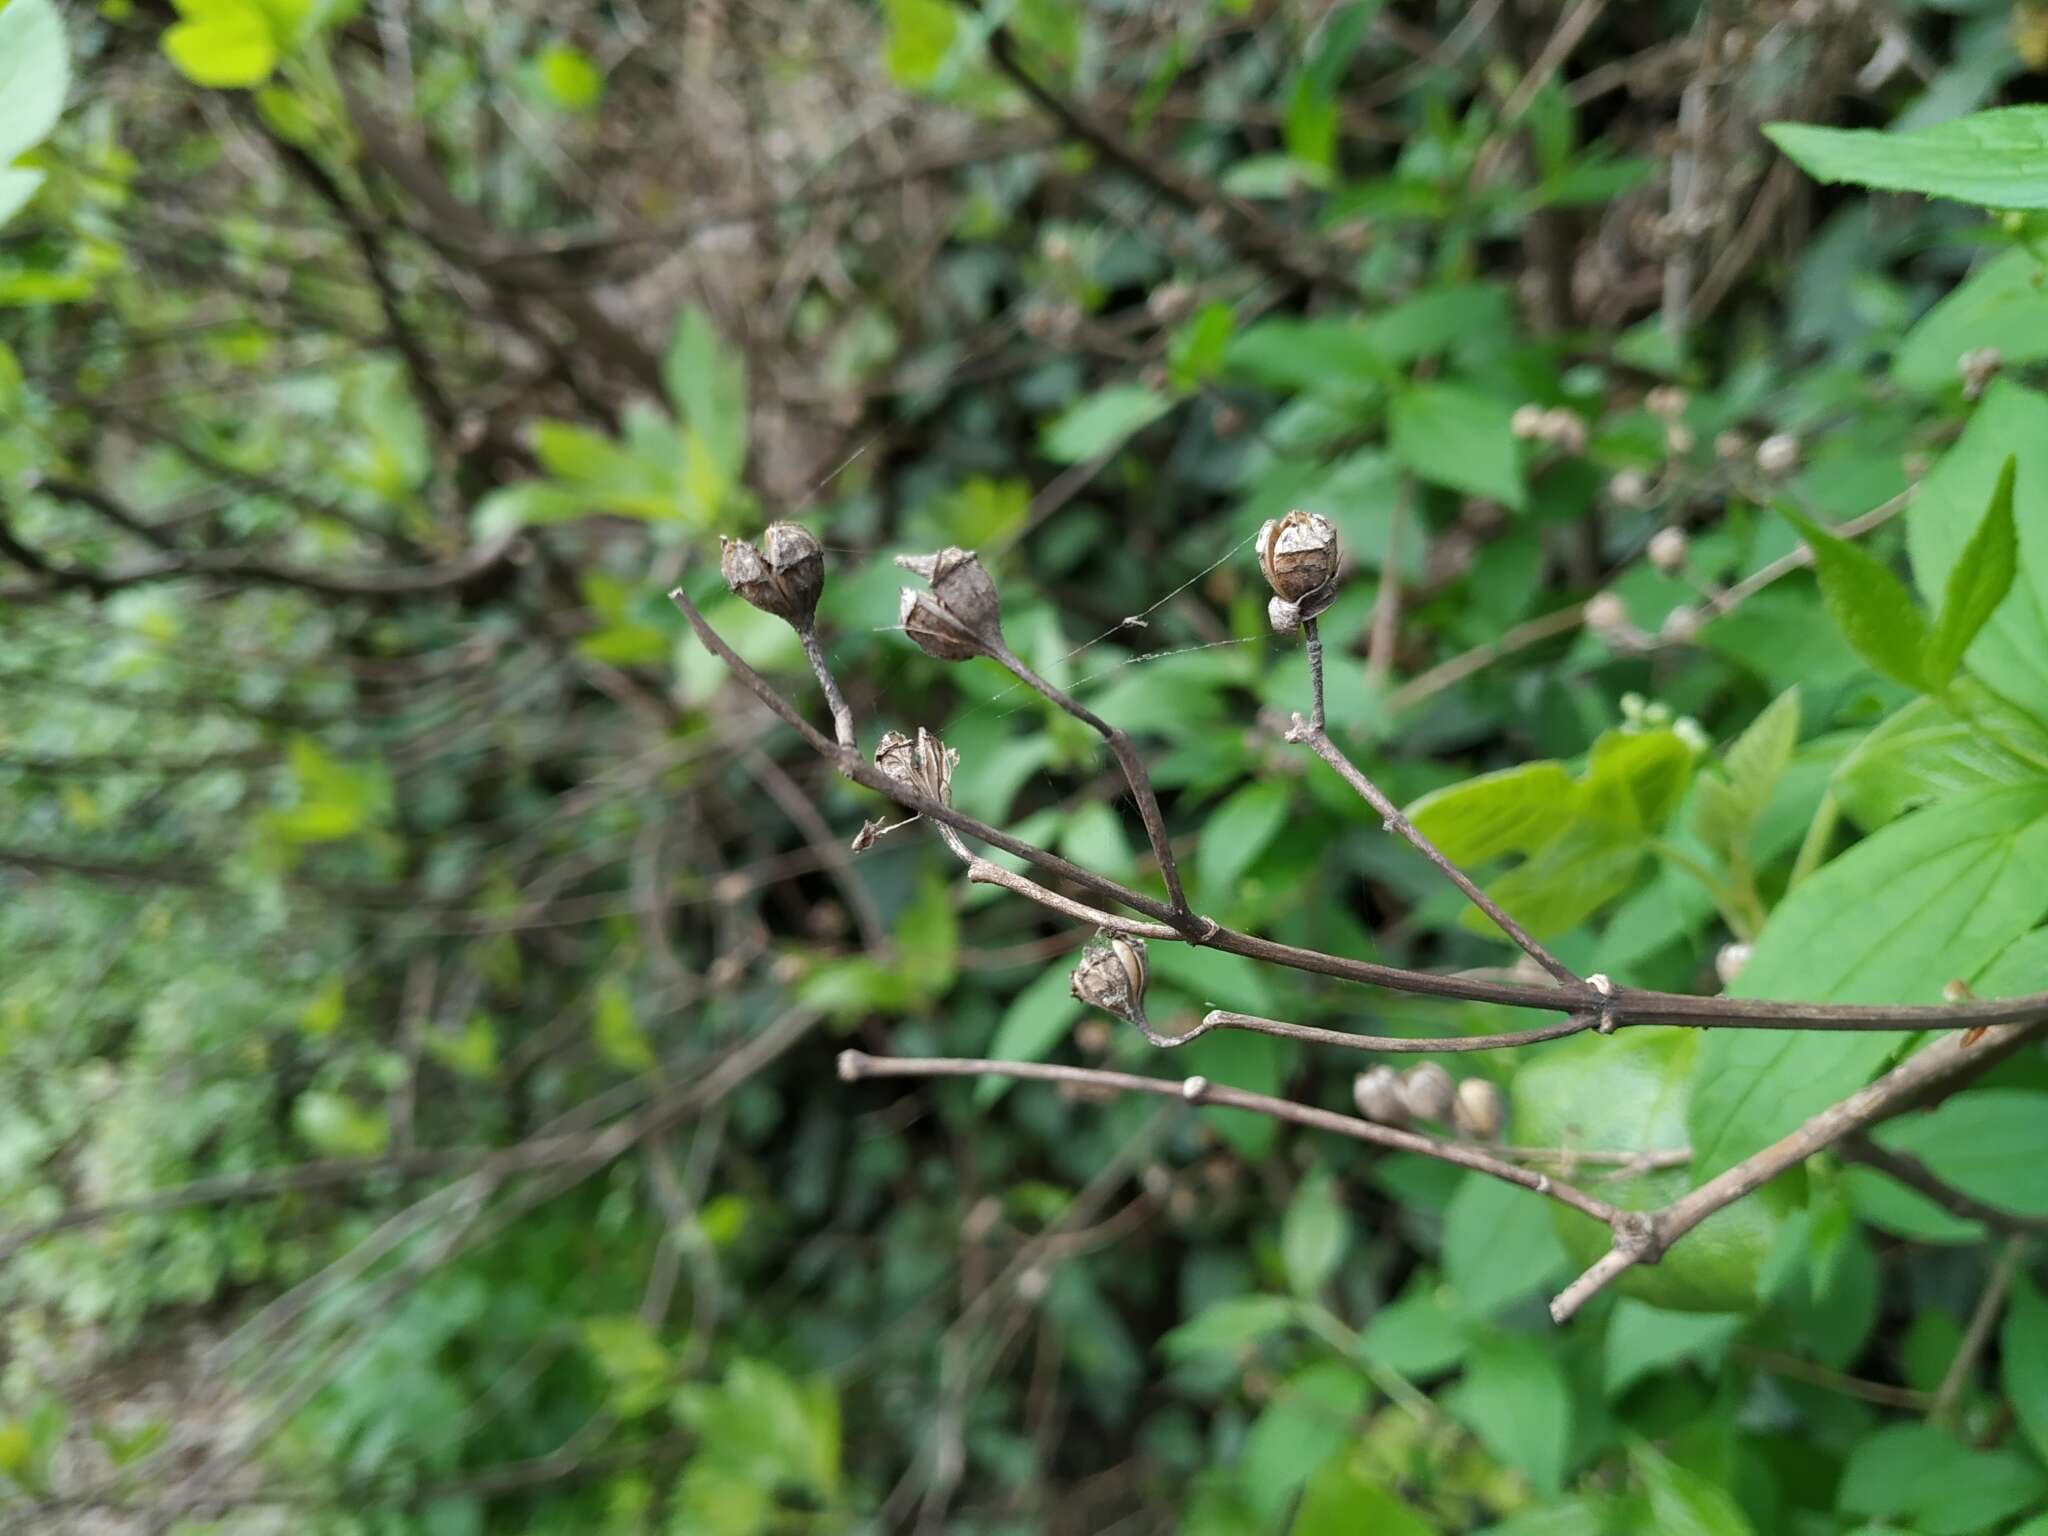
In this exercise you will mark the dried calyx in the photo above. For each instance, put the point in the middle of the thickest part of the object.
(961, 617)
(1477, 1114)
(1298, 555)
(924, 764)
(783, 576)
(1110, 975)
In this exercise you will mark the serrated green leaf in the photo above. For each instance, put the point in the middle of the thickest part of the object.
(1868, 603)
(1929, 898)
(1510, 811)
(1997, 158)
(1977, 583)
(1936, 748)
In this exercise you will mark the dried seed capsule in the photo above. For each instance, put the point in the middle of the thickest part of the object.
(1607, 615)
(1680, 627)
(925, 764)
(1666, 400)
(1111, 974)
(1285, 617)
(1428, 1091)
(1298, 554)
(1728, 963)
(783, 577)
(1527, 422)
(1477, 1115)
(961, 616)
(1630, 488)
(1377, 1093)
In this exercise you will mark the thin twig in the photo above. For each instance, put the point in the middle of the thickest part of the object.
(855, 1066)
(1917, 1176)
(1982, 1319)
(1318, 742)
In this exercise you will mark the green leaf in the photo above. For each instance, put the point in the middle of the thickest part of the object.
(1728, 804)
(1343, 1498)
(2011, 652)
(1892, 1207)
(2018, 970)
(1868, 603)
(1100, 423)
(2003, 304)
(35, 74)
(706, 380)
(1642, 1339)
(1234, 836)
(1991, 1143)
(1314, 1234)
(1997, 158)
(1036, 1020)
(1511, 811)
(1630, 1093)
(1515, 1398)
(1229, 1327)
(920, 37)
(1311, 1415)
(1929, 898)
(2023, 1347)
(1682, 1503)
(225, 44)
(334, 1124)
(632, 1359)
(1916, 1472)
(1195, 355)
(1977, 583)
(1420, 1334)
(1456, 437)
(1499, 1246)
(616, 1032)
(1934, 749)
(568, 78)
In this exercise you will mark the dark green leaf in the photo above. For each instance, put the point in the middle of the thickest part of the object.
(1100, 423)
(1515, 1398)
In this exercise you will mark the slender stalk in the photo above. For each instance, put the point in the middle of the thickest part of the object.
(1134, 774)
(856, 1066)
(1312, 642)
(1977, 1334)
(842, 717)
(1319, 742)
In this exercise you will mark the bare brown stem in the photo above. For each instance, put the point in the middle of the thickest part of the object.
(1318, 742)
(855, 1066)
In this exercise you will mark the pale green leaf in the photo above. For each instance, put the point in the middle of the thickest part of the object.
(2003, 304)
(1510, 811)
(1927, 899)
(706, 380)
(568, 78)
(1682, 1503)
(1997, 158)
(1728, 804)
(1515, 1398)
(1310, 1416)
(1935, 748)
(1344, 1498)
(35, 75)
(226, 44)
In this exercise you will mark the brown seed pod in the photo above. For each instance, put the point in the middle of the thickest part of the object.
(1298, 554)
(783, 577)
(1477, 1114)
(961, 616)
(925, 764)
(1111, 975)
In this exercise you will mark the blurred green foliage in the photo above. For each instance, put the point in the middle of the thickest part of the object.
(424, 967)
